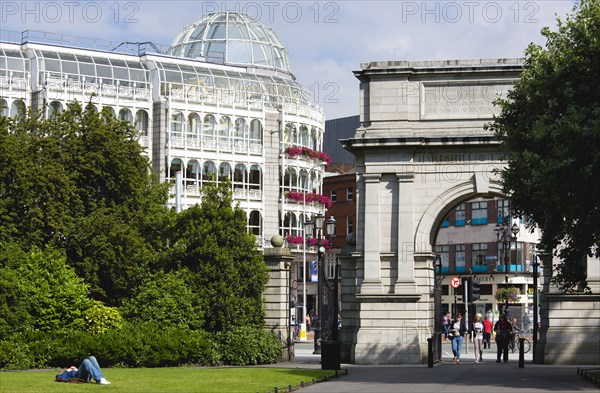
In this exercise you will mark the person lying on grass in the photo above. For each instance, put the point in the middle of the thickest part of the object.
(89, 369)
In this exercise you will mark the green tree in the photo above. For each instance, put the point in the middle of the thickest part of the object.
(165, 299)
(550, 122)
(79, 181)
(229, 275)
(40, 292)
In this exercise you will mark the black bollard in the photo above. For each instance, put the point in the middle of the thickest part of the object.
(430, 352)
(521, 352)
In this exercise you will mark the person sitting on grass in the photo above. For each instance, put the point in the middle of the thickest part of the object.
(89, 369)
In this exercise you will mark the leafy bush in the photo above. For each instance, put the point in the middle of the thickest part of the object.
(135, 345)
(49, 295)
(14, 355)
(100, 318)
(141, 345)
(247, 345)
(165, 299)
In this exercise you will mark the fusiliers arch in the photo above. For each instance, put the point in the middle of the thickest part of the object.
(420, 149)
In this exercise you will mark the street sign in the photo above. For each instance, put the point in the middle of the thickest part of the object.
(455, 282)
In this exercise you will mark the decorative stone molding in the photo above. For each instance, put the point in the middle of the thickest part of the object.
(389, 298)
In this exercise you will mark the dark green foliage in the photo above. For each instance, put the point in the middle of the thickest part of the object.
(165, 299)
(142, 345)
(229, 274)
(40, 292)
(78, 181)
(245, 345)
(550, 122)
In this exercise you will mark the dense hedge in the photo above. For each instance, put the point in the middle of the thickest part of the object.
(143, 345)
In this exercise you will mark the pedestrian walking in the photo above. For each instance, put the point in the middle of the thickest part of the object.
(456, 333)
(503, 330)
(487, 334)
(478, 331)
(446, 324)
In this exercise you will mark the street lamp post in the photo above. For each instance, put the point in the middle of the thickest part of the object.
(437, 298)
(303, 324)
(506, 234)
(535, 302)
(309, 228)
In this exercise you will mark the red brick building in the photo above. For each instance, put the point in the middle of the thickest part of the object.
(340, 187)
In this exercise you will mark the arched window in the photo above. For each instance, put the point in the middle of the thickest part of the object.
(192, 173)
(177, 124)
(290, 179)
(290, 224)
(208, 128)
(108, 111)
(54, 109)
(304, 136)
(241, 130)
(224, 129)
(141, 122)
(17, 109)
(255, 223)
(239, 176)
(255, 131)
(224, 171)
(3, 107)
(289, 134)
(209, 171)
(315, 140)
(193, 129)
(125, 115)
(304, 180)
(255, 178)
(176, 166)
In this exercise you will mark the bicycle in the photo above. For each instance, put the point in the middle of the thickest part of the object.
(526, 343)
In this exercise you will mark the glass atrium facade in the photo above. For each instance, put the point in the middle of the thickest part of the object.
(239, 116)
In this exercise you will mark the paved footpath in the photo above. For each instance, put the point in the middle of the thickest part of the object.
(446, 377)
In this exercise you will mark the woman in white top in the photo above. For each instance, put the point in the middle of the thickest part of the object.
(478, 329)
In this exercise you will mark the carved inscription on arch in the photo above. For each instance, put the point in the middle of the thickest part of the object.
(450, 100)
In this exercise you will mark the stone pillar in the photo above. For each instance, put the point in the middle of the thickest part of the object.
(569, 333)
(350, 310)
(405, 283)
(372, 259)
(277, 296)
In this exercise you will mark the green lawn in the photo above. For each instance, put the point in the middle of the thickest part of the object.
(165, 380)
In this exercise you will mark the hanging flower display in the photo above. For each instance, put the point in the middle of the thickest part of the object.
(293, 151)
(294, 239)
(511, 294)
(310, 197)
(312, 241)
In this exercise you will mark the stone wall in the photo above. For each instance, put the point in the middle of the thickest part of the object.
(570, 323)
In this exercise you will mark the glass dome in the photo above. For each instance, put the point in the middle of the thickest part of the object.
(231, 38)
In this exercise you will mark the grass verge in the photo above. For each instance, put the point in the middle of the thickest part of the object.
(165, 380)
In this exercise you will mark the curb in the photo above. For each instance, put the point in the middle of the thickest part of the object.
(337, 374)
(585, 373)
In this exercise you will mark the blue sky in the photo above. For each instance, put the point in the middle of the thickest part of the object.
(326, 40)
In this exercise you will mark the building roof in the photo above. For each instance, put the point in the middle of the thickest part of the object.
(233, 38)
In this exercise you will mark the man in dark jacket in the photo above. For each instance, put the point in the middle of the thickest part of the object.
(503, 330)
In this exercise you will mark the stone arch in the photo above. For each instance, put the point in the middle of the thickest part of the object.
(425, 232)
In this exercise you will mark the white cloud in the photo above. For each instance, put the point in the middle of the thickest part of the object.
(326, 40)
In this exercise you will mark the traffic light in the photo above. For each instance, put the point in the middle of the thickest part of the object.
(473, 290)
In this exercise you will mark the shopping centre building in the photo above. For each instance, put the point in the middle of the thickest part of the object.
(219, 103)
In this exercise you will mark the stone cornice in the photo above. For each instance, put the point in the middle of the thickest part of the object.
(408, 68)
(572, 297)
(389, 298)
(362, 143)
